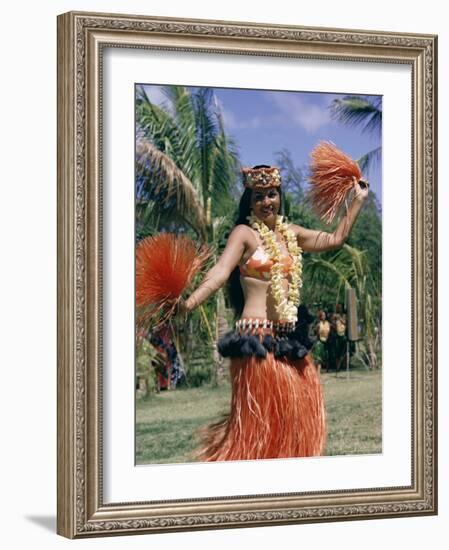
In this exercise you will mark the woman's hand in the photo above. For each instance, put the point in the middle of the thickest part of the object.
(361, 189)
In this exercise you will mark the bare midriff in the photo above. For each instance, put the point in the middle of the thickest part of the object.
(259, 302)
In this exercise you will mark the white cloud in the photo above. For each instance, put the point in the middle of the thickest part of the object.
(295, 109)
(291, 109)
(232, 122)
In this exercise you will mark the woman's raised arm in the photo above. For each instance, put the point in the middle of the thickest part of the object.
(311, 240)
(216, 277)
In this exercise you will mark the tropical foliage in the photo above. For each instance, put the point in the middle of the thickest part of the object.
(365, 113)
(186, 164)
(186, 167)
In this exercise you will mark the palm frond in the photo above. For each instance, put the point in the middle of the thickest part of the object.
(360, 265)
(171, 129)
(183, 107)
(148, 217)
(159, 127)
(315, 265)
(206, 129)
(225, 166)
(358, 111)
(224, 173)
(165, 181)
(155, 216)
(370, 159)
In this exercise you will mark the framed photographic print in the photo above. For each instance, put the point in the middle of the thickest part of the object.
(319, 401)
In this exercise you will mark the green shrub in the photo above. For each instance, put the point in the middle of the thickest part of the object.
(199, 375)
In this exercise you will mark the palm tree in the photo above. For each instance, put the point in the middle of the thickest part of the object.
(365, 113)
(186, 166)
(164, 193)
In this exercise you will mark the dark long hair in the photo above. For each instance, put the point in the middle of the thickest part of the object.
(234, 287)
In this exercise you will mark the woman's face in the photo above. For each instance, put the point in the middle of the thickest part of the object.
(265, 203)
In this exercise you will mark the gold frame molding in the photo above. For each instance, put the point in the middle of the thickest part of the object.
(81, 39)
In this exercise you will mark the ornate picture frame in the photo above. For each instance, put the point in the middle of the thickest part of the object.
(82, 40)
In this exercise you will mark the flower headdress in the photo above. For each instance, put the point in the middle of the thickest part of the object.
(263, 177)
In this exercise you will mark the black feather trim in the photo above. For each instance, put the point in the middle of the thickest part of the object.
(293, 346)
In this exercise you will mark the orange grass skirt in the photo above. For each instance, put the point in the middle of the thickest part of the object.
(277, 411)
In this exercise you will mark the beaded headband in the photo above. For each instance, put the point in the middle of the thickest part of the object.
(261, 177)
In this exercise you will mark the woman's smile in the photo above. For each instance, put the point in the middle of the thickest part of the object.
(267, 210)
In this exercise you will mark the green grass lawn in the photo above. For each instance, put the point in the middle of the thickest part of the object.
(166, 423)
(353, 412)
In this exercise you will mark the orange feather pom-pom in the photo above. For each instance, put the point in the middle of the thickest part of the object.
(165, 267)
(332, 178)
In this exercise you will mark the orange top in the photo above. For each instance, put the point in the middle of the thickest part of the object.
(259, 264)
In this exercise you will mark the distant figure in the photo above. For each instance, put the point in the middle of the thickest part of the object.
(321, 349)
(161, 340)
(339, 340)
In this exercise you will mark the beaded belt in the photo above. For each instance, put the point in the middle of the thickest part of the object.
(248, 324)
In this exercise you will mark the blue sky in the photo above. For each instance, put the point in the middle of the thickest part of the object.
(263, 122)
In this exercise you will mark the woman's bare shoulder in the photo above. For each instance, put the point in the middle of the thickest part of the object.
(243, 235)
(241, 231)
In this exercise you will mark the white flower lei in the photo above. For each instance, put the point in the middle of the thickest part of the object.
(286, 303)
